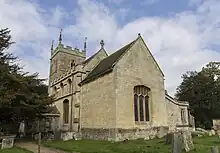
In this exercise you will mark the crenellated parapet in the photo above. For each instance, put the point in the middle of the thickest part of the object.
(68, 50)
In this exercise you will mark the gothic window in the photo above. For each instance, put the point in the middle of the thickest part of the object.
(183, 115)
(141, 103)
(66, 111)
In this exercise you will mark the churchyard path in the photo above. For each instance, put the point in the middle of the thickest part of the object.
(34, 148)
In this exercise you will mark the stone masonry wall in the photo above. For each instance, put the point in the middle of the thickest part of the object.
(174, 115)
(137, 67)
(119, 134)
(98, 103)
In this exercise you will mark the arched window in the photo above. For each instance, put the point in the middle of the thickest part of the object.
(70, 85)
(66, 111)
(141, 103)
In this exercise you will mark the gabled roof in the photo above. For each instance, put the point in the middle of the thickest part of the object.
(107, 64)
(91, 57)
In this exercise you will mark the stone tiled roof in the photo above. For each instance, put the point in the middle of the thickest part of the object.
(107, 64)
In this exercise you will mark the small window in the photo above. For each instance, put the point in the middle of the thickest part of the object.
(72, 64)
(70, 85)
(183, 116)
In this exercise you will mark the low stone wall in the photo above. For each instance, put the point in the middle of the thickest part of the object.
(122, 134)
(98, 134)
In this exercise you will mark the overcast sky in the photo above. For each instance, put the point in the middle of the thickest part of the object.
(182, 34)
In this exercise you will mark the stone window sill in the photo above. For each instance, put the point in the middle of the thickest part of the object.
(141, 122)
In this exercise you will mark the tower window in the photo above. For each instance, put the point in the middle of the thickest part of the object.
(70, 85)
(72, 64)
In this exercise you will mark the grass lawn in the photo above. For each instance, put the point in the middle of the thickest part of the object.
(202, 145)
(14, 150)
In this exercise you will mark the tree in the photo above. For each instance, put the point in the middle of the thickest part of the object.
(202, 91)
(23, 96)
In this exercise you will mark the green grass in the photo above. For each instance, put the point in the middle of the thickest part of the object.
(202, 145)
(14, 150)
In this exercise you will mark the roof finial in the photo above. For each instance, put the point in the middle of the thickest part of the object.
(85, 44)
(52, 45)
(60, 38)
(102, 44)
(139, 34)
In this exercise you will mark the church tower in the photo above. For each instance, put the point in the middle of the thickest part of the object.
(63, 59)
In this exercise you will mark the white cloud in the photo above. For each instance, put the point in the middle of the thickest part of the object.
(179, 43)
(117, 2)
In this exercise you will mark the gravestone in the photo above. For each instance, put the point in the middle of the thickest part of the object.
(57, 135)
(169, 138)
(187, 141)
(7, 142)
(177, 143)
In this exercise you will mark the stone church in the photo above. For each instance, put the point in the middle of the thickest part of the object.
(112, 97)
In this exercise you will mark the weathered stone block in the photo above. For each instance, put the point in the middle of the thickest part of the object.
(177, 143)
